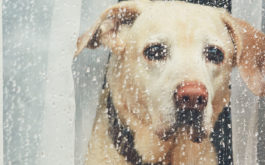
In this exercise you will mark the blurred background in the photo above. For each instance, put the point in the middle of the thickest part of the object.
(50, 99)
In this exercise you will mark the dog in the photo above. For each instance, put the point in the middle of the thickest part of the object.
(168, 81)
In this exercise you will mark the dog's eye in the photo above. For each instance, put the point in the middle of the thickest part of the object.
(156, 52)
(214, 55)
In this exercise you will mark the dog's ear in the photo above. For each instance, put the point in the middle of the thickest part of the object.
(105, 31)
(249, 53)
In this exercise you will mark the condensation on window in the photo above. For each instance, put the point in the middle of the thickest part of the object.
(49, 109)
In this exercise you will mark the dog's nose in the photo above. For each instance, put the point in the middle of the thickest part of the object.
(191, 95)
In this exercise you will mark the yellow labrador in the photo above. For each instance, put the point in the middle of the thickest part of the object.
(167, 80)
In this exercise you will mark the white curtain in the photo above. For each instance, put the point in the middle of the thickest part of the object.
(244, 103)
(58, 135)
(39, 110)
(1, 89)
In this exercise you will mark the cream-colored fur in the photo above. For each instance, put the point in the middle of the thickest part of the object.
(142, 89)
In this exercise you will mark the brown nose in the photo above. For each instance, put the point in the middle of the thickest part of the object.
(191, 95)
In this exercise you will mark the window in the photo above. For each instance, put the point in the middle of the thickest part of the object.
(50, 98)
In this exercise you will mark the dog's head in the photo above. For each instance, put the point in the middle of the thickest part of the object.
(172, 61)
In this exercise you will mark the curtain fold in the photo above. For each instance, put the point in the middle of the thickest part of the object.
(88, 71)
(244, 103)
(261, 113)
(57, 137)
(26, 36)
(1, 90)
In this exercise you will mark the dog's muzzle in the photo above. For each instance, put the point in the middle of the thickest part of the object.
(190, 100)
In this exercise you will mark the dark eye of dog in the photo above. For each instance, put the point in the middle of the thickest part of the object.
(156, 52)
(214, 55)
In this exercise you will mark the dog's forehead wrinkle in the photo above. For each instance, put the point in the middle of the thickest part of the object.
(158, 29)
(158, 37)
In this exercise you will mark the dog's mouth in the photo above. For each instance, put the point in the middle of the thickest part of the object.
(187, 121)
